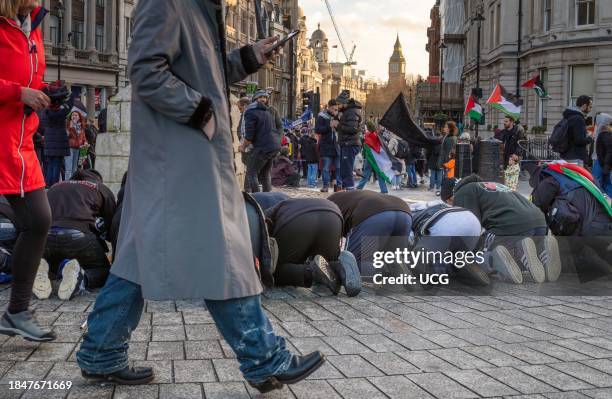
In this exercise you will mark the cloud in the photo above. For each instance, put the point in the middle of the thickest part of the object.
(372, 26)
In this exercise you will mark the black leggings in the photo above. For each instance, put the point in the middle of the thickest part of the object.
(32, 220)
(310, 234)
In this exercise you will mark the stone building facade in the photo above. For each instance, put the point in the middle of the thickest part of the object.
(91, 45)
(567, 42)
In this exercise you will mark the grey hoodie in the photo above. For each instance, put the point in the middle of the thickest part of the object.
(601, 121)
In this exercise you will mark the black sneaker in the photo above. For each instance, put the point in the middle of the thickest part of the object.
(322, 273)
(300, 368)
(72, 280)
(23, 324)
(127, 376)
(527, 254)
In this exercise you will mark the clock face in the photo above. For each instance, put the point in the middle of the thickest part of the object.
(394, 68)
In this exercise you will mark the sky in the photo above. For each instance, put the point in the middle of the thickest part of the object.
(373, 26)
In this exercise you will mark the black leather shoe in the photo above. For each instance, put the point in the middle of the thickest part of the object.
(322, 273)
(127, 376)
(300, 368)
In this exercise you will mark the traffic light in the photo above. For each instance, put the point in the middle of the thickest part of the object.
(307, 98)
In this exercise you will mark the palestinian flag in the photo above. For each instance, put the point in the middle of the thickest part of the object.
(473, 109)
(506, 102)
(377, 157)
(536, 84)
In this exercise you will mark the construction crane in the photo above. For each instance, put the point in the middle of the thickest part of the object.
(349, 58)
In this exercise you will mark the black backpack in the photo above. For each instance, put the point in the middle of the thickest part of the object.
(403, 150)
(559, 139)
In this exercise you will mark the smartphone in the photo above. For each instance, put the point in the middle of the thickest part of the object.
(283, 41)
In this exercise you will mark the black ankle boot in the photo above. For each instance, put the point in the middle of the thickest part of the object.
(300, 368)
(127, 376)
(322, 273)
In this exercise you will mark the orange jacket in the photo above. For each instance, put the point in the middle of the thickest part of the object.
(450, 168)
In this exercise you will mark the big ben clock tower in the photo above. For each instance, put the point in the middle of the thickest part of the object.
(397, 66)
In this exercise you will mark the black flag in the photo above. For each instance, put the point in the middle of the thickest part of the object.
(399, 121)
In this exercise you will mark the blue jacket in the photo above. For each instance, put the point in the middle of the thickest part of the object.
(328, 145)
(258, 128)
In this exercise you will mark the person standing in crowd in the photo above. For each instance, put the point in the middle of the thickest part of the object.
(75, 126)
(53, 128)
(82, 209)
(329, 148)
(102, 120)
(283, 171)
(578, 138)
(259, 131)
(349, 137)
(435, 169)
(372, 137)
(512, 172)
(602, 165)
(310, 156)
(181, 138)
(449, 143)
(21, 178)
(511, 135)
(91, 135)
(242, 104)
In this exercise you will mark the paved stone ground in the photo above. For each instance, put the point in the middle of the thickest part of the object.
(519, 341)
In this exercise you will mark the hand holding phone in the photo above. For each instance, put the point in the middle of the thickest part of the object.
(281, 42)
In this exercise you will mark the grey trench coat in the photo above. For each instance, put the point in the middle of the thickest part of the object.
(184, 232)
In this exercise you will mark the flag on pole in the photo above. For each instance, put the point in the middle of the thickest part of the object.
(473, 109)
(306, 116)
(506, 102)
(378, 158)
(536, 84)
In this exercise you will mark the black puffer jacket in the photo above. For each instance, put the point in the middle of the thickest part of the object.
(53, 128)
(349, 130)
(578, 139)
(603, 147)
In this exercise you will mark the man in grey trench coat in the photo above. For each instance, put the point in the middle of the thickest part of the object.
(183, 233)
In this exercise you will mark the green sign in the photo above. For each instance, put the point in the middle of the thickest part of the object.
(251, 87)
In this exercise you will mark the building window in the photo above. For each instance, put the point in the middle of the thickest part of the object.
(491, 29)
(585, 12)
(128, 31)
(547, 14)
(582, 81)
(78, 37)
(498, 26)
(100, 3)
(542, 102)
(54, 30)
(100, 38)
(244, 23)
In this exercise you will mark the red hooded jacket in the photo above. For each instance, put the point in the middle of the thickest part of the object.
(23, 65)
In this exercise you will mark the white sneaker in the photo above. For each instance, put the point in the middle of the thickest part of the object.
(551, 258)
(504, 264)
(72, 276)
(528, 255)
(42, 284)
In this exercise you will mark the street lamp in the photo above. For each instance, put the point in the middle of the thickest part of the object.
(59, 10)
(478, 19)
(442, 47)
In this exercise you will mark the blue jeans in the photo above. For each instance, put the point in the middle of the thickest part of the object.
(71, 163)
(348, 153)
(53, 169)
(326, 174)
(605, 182)
(313, 170)
(412, 175)
(380, 232)
(241, 321)
(435, 178)
(367, 173)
